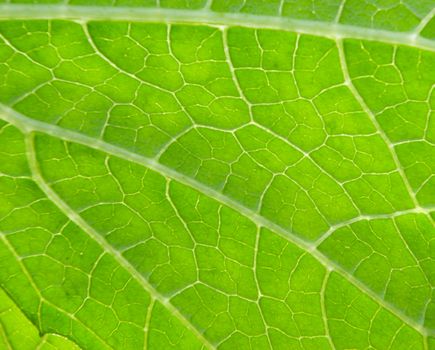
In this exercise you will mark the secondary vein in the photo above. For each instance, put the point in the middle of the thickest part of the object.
(80, 222)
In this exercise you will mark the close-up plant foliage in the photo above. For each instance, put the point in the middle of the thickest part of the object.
(217, 174)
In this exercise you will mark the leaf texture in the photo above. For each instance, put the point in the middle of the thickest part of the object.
(226, 174)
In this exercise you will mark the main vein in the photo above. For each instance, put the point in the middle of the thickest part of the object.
(205, 16)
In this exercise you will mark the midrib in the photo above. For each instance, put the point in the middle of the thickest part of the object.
(28, 125)
(324, 29)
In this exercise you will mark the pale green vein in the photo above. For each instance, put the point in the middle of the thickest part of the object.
(29, 125)
(42, 342)
(324, 29)
(3, 338)
(147, 322)
(424, 22)
(335, 227)
(322, 304)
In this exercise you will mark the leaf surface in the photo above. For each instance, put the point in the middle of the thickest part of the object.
(223, 174)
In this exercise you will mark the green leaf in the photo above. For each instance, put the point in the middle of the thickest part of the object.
(192, 174)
